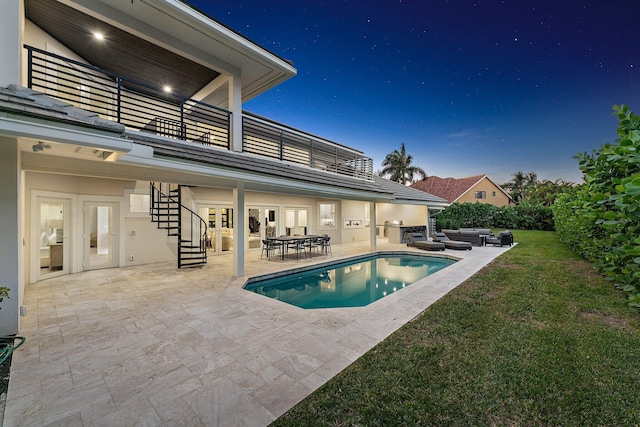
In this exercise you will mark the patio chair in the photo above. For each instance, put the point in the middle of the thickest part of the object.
(297, 245)
(503, 238)
(325, 244)
(311, 244)
(451, 244)
(269, 247)
(417, 240)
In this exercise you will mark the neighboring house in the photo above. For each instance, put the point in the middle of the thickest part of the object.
(116, 115)
(479, 188)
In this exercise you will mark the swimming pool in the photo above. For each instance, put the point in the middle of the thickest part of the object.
(354, 282)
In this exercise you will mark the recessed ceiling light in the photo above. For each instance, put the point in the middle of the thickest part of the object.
(98, 35)
(167, 89)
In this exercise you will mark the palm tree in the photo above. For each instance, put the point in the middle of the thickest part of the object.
(521, 185)
(397, 165)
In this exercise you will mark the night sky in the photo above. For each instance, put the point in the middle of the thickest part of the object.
(470, 87)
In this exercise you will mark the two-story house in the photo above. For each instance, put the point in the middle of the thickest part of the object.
(123, 140)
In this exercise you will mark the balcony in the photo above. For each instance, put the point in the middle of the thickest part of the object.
(145, 108)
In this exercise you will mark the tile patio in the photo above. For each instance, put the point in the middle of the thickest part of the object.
(157, 346)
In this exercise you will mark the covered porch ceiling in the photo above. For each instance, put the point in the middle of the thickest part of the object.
(161, 43)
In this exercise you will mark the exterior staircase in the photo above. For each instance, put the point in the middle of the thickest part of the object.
(168, 212)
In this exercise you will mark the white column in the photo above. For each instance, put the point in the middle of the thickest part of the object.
(239, 229)
(235, 106)
(11, 24)
(373, 220)
(10, 237)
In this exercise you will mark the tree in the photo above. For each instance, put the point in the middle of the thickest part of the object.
(545, 192)
(397, 166)
(521, 185)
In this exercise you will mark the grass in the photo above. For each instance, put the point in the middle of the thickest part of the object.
(535, 338)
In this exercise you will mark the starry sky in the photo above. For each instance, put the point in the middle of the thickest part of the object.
(470, 87)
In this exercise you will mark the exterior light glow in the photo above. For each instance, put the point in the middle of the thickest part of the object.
(168, 89)
(98, 36)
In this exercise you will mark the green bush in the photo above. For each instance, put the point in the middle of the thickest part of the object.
(482, 215)
(600, 220)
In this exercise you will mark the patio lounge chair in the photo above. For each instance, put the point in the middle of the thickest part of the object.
(450, 244)
(503, 238)
(418, 240)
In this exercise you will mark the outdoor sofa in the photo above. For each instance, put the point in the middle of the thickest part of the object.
(450, 244)
(471, 235)
(417, 240)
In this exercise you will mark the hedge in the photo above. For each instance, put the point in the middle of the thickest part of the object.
(600, 219)
(482, 215)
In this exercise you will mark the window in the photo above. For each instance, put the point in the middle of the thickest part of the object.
(481, 194)
(139, 203)
(327, 215)
(367, 215)
(493, 194)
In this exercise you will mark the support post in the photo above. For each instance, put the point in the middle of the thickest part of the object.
(239, 230)
(373, 220)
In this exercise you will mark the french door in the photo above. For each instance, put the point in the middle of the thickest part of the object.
(100, 235)
(262, 223)
(51, 227)
(219, 219)
(296, 221)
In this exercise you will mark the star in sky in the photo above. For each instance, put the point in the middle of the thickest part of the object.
(470, 88)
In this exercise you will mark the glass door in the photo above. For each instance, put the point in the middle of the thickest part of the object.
(100, 237)
(296, 221)
(262, 223)
(52, 228)
(219, 221)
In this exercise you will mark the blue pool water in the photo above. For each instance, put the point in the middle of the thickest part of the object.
(351, 283)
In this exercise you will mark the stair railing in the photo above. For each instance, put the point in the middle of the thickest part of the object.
(167, 210)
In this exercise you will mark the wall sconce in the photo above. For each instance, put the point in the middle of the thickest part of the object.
(40, 146)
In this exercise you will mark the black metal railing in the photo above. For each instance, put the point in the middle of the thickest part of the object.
(269, 139)
(134, 104)
(146, 108)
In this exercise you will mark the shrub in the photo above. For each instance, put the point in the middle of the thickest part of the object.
(600, 220)
(523, 216)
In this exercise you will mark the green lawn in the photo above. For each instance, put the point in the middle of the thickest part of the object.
(535, 338)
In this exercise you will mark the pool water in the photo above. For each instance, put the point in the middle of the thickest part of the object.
(351, 283)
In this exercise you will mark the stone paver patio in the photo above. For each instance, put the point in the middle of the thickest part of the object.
(154, 345)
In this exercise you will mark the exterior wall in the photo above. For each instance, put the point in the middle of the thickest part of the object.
(350, 232)
(408, 214)
(500, 199)
(10, 247)
(11, 13)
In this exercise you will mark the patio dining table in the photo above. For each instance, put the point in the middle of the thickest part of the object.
(285, 240)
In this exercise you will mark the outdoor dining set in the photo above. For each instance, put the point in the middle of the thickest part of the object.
(304, 245)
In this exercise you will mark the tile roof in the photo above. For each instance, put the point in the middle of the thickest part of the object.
(449, 189)
(405, 194)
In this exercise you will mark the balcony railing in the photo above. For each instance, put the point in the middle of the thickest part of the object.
(270, 139)
(148, 109)
(131, 103)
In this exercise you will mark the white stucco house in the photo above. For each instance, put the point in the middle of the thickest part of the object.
(123, 141)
